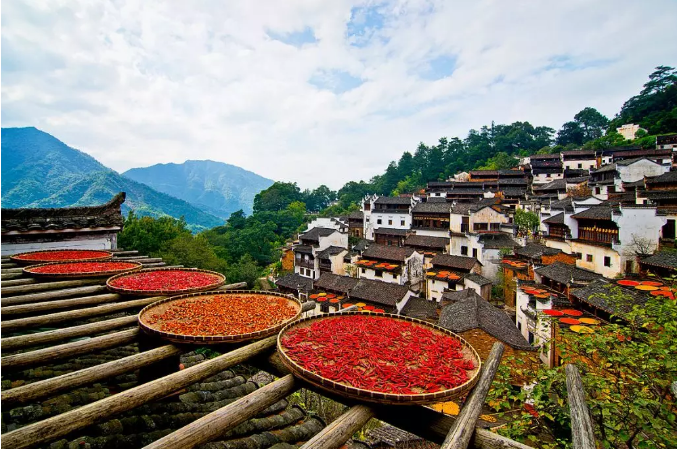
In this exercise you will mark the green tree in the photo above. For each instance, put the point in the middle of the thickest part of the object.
(150, 235)
(320, 198)
(277, 197)
(501, 161)
(193, 251)
(571, 133)
(592, 122)
(526, 221)
(245, 270)
(627, 367)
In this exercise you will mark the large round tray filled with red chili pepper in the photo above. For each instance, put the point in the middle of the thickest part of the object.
(219, 317)
(387, 359)
(165, 281)
(61, 255)
(70, 270)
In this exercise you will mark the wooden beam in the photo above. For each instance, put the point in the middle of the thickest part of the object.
(13, 270)
(121, 252)
(155, 265)
(215, 424)
(41, 338)
(44, 286)
(463, 428)
(70, 381)
(422, 421)
(8, 265)
(10, 277)
(582, 432)
(54, 294)
(119, 256)
(47, 355)
(55, 427)
(41, 307)
(15, 282)
(339, 431)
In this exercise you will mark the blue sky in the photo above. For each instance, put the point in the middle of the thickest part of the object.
(309, 91)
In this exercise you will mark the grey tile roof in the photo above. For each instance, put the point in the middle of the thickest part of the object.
(600, 212)
(557, 184)
(605, 168)
(334, 282)
(295, 282)
(378, 292)
(666, 178)
(626, 162)
(565, 273)
(385, 252)
(610, 297)
(361, 245)
(477, 279)
(390, 231)
(458, 262)
(432, 208)
(330, 251)
(356, 215)
(420, 308)
(305, 249)
(555, 219)
(461, 208)
(393, 200)
(474, 312)
(534, 251)
(497, 240)
(663, 259)
(426, 241)
(586, 153)
(315, 234)
(577, 180)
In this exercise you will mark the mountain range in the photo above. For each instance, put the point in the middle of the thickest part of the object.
(38, 170)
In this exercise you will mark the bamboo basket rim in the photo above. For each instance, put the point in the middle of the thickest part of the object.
(215, 339)
(92, 274)
(377, 396)
(129, 291)
(16, 257)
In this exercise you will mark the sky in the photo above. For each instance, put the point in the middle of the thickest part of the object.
(315, 92)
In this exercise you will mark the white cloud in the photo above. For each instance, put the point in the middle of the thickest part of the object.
(314, 92)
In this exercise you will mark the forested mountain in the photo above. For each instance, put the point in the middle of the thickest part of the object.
(39, 170)
(214, 187)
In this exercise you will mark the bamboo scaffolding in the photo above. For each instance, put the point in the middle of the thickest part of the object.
(53, 428)
(47, 355)
(338, 432)
(70, 381)
(217, 423)
(41, 338)
(462, 430)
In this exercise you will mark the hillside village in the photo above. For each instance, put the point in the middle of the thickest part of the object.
(456, 247)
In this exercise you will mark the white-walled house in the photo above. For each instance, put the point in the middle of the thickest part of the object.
(610, 178)
(447, 274)
(579, 160)
(393, 264)
(313, 242)
(387, 212)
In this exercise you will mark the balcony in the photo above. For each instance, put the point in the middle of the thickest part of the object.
(305, 263)
(325, 266)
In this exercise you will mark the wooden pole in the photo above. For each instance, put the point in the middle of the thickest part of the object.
(54, 294)
(46, 355)
(45, 286)
(55, 427)
(155, 265)
(10, 276)
(61, 304)
(12, 325)
(44, 320)
(339, 431)
(217, 423)
(582, 431)
(41, 338)
(70, 381)
(15, 282)
(13, 270)
(461, 432)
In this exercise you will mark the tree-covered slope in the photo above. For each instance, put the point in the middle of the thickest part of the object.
(39, 170)
(215, 187)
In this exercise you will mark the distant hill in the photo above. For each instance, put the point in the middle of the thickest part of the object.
(215, 187)
(38, 170)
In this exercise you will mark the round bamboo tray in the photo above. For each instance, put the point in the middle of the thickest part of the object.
(161, 305)
(17, 257)
(166, 292)
(29, 270)
(378, 396)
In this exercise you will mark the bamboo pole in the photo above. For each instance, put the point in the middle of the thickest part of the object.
(46, 355)
(55, 427)
(54, 294)
(12, 270)
(121, 252)
(15, 282)
(155, 265)
(40, 338)
(61, 304)
(217, 423)
(10, 276)
(44, 286)
(8, 265)
(44, 320)
(70, 381)
(583, 435)
(461, 432)
(117, 256)
(12, 325)
(339, 431)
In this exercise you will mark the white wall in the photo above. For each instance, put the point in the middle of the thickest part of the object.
(544, 178)
(369, 273)
(105, 242)
(584, 165)
(638, 170)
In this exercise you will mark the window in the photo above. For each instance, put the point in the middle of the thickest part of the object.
(531, 338)
(464, 250)
(607, 261)
(588, 257)
(597, 190)
(474, 253)
(364, 270)
(379, 274)
(401, 222)
(629, 266)
(390, 222)
(580, 165)
(519, 325)
(379, 221)
(367, 219)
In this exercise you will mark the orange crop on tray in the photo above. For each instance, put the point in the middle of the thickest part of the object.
(379, 354)
(170, 280)
(83, 267)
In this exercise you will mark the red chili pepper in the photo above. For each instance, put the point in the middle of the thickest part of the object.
(83, 267)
